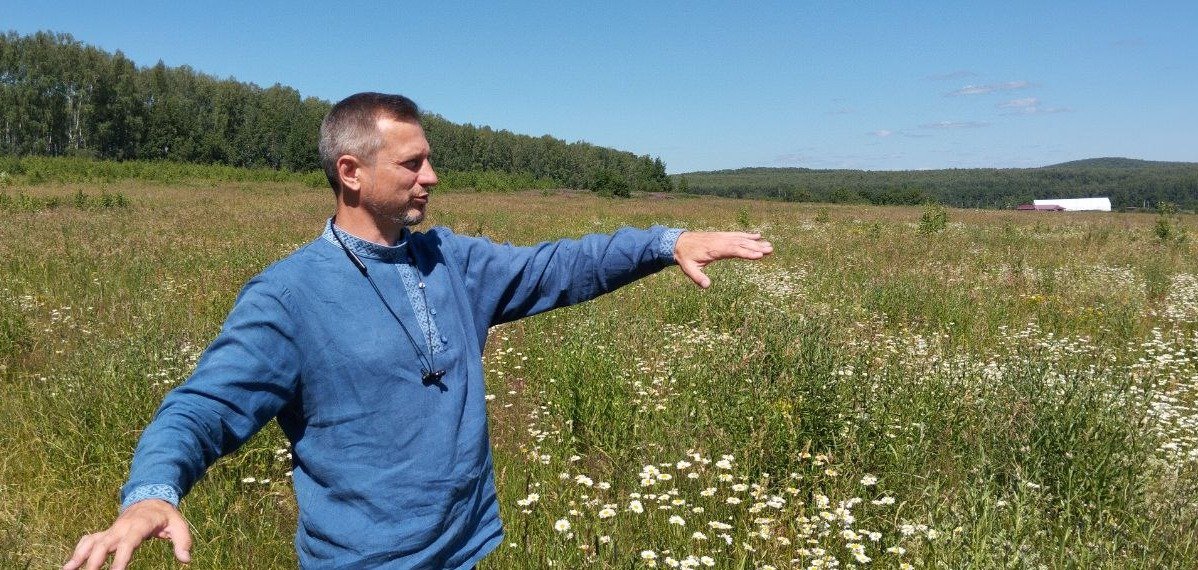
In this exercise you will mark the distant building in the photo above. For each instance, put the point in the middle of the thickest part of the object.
(1035, 208)
(1077, 204)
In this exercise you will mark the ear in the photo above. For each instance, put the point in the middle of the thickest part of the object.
(349, 170)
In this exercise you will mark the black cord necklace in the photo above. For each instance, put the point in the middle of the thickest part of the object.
(430, 374)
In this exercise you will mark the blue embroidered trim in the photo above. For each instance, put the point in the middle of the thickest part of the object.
(397, 255)
(157, 491)
(411, 283)
(666, 243)
(390, 254)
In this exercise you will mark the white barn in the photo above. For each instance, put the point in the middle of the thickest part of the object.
(1078, 204)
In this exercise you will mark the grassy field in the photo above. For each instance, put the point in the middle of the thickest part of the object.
(1015, 390)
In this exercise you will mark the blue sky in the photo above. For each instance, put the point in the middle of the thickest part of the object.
(712, 85)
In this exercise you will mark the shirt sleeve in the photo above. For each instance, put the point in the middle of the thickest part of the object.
(144, 492)
(242, 381)
(511, 282)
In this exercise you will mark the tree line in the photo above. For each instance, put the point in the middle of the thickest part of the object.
(60, 97)
(1128, 183)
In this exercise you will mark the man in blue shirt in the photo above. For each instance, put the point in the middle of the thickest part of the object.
(366, 345)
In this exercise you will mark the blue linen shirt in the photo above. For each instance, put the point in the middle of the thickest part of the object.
(388, 471)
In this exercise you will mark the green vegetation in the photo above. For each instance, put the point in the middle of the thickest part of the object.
(59, 97)
(1011, 391)
(606, 182)
(1168, 227)
(43, 170)
(1128, 183)
(40, 170)
(933, 220)
(80, 201)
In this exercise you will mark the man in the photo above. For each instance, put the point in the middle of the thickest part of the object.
(366, 344)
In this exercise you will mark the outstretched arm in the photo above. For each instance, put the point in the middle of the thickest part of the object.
(244, 378)
(142, 520)
(695, 250)
(506, 282)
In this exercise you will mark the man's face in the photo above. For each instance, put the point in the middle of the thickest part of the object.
(396, 181)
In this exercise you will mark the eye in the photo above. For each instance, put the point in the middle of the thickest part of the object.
(413, 164)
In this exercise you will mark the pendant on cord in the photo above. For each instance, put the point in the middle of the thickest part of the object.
(433, 377)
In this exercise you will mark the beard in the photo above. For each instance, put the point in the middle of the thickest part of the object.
(412, 218)
(407, 216)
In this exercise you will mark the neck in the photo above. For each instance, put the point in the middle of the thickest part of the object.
(364, 226)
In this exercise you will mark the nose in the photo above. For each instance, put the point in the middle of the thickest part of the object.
(427, 176)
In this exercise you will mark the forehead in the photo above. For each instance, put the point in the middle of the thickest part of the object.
(401, 137)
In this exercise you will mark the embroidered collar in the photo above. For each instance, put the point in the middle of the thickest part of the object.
(363, 248)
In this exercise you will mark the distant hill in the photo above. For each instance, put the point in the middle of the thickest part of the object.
(1127, 182)
(1116, 162)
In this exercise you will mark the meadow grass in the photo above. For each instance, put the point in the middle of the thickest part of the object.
(1009, 390)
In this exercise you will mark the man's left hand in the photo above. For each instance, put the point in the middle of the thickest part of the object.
(695, 250)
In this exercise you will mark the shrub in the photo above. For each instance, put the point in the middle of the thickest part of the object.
(742, 219)
(823, 216)
(106, 201)
(933, 220)
(25, 203)
(606, 182)
(1168, 227)
(14, 332)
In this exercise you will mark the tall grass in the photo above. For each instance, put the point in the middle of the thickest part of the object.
(1013, 390)
(43, 170)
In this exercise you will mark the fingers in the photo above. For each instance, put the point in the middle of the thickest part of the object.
(694, 250)
(93, 550)
(750, 246)
(180, 536)
(692, 270)
(82, 550)
(139, 522)
(762, 245)
(752, 250)
(100, 549)
(712, 246)
(124, 552)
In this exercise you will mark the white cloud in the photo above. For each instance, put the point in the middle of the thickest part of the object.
(882, 133)
(954, 125)
(958, 74)
(1029, 106)
(991, 88)
(1025, 103)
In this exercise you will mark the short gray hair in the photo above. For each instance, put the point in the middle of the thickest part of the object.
(351, 128)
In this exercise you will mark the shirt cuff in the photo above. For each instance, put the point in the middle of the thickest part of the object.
(158, 491)
(666, 242)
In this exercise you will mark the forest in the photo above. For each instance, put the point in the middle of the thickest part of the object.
(63, 99)
(60, 97)
(1130, 184)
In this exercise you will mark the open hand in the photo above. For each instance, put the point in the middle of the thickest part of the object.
(695, 250)
(151, 518)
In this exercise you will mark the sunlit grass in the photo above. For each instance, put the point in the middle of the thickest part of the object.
(1016, 390)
